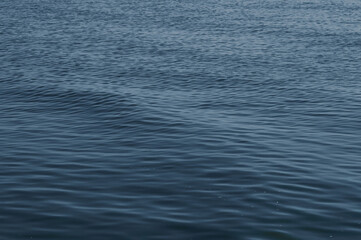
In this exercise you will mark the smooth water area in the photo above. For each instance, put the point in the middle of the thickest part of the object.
(180, 119)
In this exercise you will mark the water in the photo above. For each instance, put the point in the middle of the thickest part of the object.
(166, 119)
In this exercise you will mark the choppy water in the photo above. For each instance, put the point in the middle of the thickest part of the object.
(166, 119)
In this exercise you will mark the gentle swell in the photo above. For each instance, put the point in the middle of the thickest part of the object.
(180, 119)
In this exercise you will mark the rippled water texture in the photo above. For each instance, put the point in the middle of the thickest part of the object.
(170, 119)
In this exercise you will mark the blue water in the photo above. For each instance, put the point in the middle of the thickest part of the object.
(169, 119)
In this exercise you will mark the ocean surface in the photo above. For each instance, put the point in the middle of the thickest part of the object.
(180, 119)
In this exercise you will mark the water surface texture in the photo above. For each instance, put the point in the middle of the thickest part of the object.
(180, 119)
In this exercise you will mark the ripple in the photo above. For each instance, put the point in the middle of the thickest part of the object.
(182, 120)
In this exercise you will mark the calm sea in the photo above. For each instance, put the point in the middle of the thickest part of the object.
(180, 119)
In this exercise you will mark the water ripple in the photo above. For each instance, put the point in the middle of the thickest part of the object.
(180, 119)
